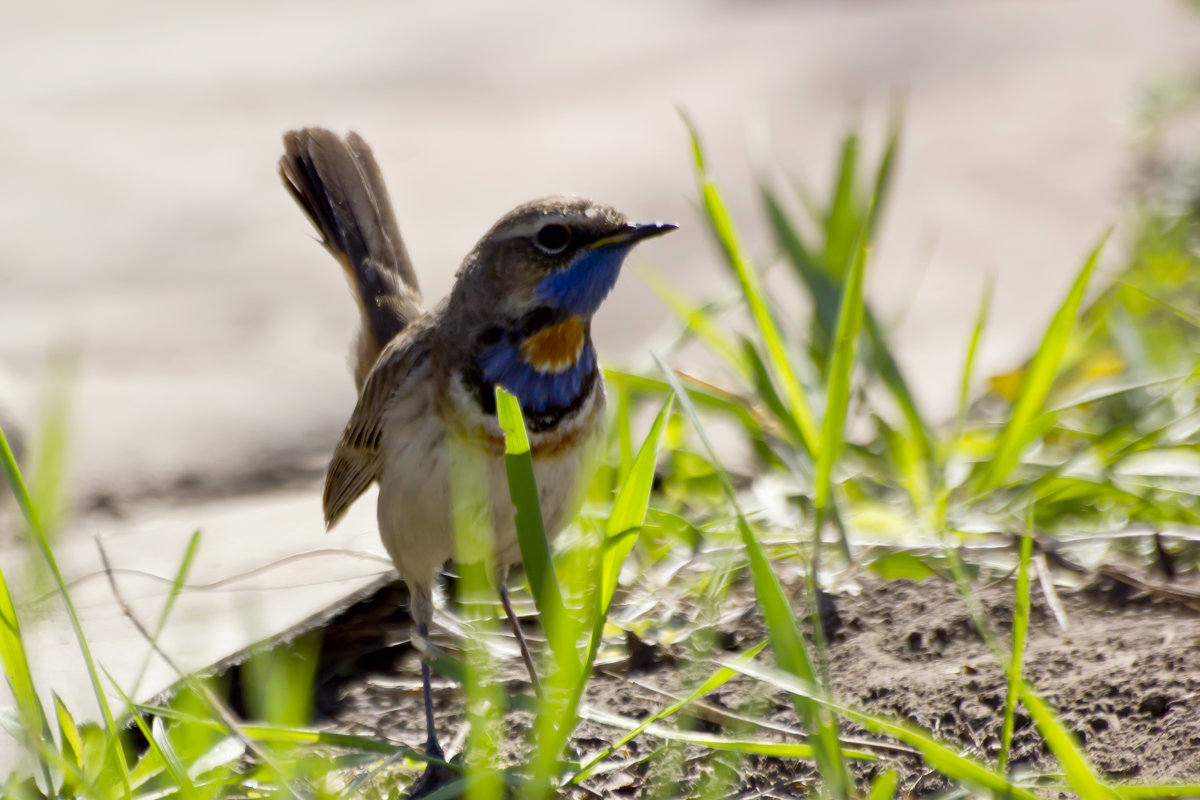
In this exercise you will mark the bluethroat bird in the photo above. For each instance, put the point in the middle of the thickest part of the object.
(518, 316)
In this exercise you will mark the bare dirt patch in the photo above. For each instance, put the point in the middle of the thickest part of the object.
(1124, 675)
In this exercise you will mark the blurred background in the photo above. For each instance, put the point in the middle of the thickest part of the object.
(144, 232)
(142, 224)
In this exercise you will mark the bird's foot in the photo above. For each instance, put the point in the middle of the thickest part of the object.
(436, 776)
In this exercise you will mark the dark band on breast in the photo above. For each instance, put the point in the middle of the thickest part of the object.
(484, 391)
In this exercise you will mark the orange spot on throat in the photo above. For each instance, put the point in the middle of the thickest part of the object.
(555, 348)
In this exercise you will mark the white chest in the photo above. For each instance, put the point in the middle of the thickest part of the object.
(443, 467)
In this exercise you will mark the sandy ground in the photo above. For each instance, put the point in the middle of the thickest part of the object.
(143, 228)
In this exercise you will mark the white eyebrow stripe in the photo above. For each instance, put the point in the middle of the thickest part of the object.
(528, 229)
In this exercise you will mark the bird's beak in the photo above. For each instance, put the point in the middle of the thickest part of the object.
(634, 232)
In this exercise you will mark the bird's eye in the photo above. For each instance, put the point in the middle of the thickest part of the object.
(552, 239)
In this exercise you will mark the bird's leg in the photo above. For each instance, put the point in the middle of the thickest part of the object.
(435, 775)
(526, 656)
(432, 748)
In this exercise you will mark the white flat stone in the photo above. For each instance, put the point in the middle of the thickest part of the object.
(264, 565)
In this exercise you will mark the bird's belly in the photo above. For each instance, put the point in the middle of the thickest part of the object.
(414, 499)
(563, 466)
(436, 471)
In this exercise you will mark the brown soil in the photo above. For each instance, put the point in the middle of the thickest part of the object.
(1124, 675)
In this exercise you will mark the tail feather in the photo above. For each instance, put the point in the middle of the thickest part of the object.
(338, 185)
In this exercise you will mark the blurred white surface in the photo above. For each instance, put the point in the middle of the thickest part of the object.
(141, 219)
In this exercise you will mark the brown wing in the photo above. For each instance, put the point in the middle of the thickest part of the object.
(358, 460)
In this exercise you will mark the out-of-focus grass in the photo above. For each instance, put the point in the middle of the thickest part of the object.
(1086, 438)
(1096, 434)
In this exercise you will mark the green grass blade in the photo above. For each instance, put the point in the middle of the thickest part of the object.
(278, 682)
(883, 361)
(1020, 628)
(16, 668)
(791, 651)
(696, 318)
(968, 370)
(485, 704)
(38, 536)
(477, 591)
(748, 279)
(841, 367)
(72, 742)
(703, 395)
(564, 687)
(627, 515)
(826, 298)
(177, 583)
(285, 734)
(624, 435)
(158, 743)
(764, 390)
(822, 290)
(1060, 740)
(842, 223)
(50, 467)
(884, 173)
(1066, 749)
(1020, 430)
(884, 785)
(531, 531)
(713, 741)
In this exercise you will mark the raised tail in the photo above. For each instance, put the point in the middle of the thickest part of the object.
(338, 184)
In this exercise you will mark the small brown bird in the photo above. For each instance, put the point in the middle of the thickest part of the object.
(519, 316)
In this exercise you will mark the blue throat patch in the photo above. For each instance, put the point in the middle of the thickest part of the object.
(582, 286)
(538, 392)
(545, 392)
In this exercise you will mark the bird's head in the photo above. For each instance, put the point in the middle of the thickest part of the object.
(562, 254)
